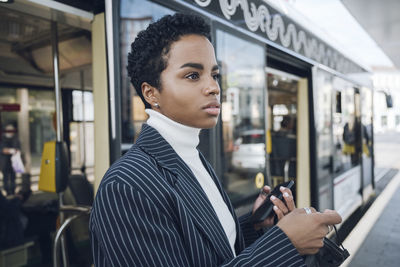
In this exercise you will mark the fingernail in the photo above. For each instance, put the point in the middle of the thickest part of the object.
(285, 194)
(273, 198)
(275, 208)
(281, 188)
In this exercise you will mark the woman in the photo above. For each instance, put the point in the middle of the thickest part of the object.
(161, 204)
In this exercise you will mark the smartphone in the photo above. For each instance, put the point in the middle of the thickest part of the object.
(266, 209)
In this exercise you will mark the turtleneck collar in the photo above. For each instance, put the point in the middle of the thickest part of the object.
(182, 138)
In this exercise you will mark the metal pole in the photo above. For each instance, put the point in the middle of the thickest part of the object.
(83, 122)
(57, 90)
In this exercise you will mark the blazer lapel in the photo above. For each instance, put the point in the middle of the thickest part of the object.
(239, 244)
(188, 189)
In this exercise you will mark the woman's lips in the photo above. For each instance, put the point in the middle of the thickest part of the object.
(212, 111)
(212, 108)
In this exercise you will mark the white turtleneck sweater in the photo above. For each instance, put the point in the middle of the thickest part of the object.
(184, 140)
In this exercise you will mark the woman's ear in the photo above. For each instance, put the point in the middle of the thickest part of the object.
(150, 94)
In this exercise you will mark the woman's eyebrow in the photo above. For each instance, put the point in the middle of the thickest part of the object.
(198, 66)
(193, 65)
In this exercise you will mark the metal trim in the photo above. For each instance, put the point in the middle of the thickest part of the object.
(62, 7)
(54, 11)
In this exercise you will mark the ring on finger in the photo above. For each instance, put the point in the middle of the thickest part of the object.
(307, 210)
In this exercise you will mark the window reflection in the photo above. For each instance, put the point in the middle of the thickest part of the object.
(243, 130)
(135, 16)
(282, 101)
(346, 127)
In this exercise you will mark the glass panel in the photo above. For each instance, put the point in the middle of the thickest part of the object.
(346, 128)
(77, 112)
(80, 100)
(82, 145)
(88, 104)
(323, 126)
(243, 83)
(367, 130)
(282, 101)
(135, 16)
(41, 127)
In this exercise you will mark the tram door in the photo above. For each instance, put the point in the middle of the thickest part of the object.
(287, 115)
(347, 146)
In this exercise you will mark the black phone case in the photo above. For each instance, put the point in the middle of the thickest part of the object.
(265, 210)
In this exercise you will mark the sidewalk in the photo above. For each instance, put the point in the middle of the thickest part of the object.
(375, 241)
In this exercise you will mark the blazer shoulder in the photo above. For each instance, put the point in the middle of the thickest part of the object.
(133, 168)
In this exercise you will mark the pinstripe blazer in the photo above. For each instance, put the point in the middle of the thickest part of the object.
(151, 211)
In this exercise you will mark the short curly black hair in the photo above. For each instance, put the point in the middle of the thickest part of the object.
(149, 52)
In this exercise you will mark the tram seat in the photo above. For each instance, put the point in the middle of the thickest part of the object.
(283, 152)
(78, 193)
(81, 189)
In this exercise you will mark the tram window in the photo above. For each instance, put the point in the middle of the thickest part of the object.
(347, 130)
(82, 106)
(36, 120)
(283, 101)
(243, 129)
(134, 17)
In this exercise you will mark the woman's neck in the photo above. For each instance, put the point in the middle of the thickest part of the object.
(183, 139)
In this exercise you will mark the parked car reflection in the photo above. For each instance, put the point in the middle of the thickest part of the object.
(249, 151)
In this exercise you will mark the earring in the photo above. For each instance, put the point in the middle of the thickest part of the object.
(156, 105)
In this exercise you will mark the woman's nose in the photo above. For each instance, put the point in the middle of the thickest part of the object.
(213, 88)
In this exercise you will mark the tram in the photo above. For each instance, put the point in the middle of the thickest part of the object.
(294, 107)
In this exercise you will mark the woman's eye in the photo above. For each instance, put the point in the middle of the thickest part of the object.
(217, 76)
(193, 76)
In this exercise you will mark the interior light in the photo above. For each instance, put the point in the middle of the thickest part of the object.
(6, 1)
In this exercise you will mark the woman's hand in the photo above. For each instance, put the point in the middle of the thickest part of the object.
(307, 231)
(281, 208)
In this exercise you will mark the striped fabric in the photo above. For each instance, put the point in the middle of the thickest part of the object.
(151, 211)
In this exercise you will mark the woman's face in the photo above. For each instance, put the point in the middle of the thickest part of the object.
(189, 85)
